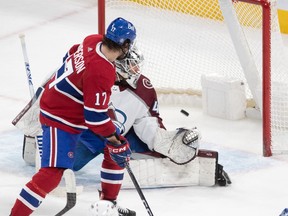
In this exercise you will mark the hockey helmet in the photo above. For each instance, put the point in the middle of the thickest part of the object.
(130, 67)
(120, 30)
(103, 208)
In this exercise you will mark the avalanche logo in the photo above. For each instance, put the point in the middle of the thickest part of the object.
(120, 120)
(118, 117)
(147, 83)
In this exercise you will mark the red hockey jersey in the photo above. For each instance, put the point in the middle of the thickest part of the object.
(77, 96)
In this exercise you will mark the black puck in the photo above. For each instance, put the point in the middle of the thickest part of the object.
(184, 112)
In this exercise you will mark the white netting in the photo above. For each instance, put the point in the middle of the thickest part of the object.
(185, 39)
(175, 45)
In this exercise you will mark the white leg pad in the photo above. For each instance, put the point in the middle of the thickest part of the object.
(29, 150)
(161, 172)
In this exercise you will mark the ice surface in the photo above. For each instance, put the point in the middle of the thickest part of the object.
(259, 184)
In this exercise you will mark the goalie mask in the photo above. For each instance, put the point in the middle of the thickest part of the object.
(129, 68)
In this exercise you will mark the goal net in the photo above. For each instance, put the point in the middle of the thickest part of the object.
(182, 40)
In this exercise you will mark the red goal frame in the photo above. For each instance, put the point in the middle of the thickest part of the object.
(266, 73)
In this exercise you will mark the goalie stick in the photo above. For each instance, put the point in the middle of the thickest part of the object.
(30, 83)
(129, 170)
(31, 90)
(27, 65)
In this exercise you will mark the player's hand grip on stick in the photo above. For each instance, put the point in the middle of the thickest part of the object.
(120, 153)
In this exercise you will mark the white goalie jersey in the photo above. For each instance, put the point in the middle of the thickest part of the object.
(137, 108)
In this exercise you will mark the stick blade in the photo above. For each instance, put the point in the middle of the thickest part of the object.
(71, 191)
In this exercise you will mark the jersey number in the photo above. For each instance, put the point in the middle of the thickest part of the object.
(63, 72)
(155, 107)
(99, 98)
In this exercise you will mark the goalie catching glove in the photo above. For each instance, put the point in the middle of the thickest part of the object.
(181, 145)
(119, 153)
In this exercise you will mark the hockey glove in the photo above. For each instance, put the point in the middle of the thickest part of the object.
(119, 153)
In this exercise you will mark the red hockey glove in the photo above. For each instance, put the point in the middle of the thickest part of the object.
(119, 153)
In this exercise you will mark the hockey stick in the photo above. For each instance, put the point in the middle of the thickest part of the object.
(71, 191)
(129, 170)
(31, 87)
(27, 65)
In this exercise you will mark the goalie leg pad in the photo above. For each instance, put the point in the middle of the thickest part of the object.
(181, 145)
(29, 150)
(161, 172)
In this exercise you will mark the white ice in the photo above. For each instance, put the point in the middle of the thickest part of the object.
(259, 188)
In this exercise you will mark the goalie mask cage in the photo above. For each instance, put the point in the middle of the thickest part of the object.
(184, 39)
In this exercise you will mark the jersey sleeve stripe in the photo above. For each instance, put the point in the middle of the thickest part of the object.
(58, 119)
(95, 110)
(70, 92)
(98, 122)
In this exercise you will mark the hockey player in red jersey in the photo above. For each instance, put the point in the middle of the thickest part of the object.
(139, 121)
(76, 98)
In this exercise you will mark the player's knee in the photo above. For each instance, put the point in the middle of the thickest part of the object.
(48, 178)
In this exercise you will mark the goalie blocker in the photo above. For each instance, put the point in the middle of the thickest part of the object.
(152, 172)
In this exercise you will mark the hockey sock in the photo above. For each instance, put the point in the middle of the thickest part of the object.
(111, 177)
(32, 195)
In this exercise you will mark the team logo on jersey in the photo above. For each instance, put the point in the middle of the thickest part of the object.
(147, 83)
(120, 120)
(70, 154)
(118, 117)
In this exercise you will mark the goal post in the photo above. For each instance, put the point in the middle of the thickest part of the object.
(266, 74)
(184, 40)
(101, 17)
(247, 61)
(274, 131)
